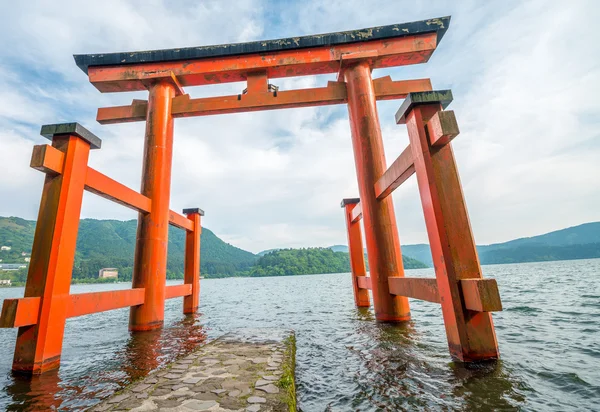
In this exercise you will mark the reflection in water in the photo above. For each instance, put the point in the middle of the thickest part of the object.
(36, 393)
(485, 386)
(346, 360)
(142, 353)
(395, 375)
(146, 351)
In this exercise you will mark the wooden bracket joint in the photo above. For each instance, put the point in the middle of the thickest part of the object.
(47, 159)
(442, 128)
(481, 295)
(169, 78)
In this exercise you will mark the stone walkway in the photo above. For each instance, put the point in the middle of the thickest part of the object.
(238, 372)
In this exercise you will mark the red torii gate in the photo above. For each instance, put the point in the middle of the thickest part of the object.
(466, 298)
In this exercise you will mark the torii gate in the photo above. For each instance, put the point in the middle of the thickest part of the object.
(465, 297)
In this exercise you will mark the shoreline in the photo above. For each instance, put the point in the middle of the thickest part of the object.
(306, 274)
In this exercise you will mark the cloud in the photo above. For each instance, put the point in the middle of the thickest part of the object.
(521, 73)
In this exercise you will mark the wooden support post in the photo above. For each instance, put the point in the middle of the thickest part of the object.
(150, 262)
(38, 348)
(355, 250)
(381, 233)
(192, 260)
(471, 335)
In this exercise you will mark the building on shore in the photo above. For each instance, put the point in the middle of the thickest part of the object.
(108, 273)
(5, 248)
(4, 282)
(12, 266)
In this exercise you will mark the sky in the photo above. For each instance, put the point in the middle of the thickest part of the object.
(524, 76)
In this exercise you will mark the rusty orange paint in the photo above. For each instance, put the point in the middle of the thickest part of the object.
(290, 63)
(110, 189)
(177, 291)
(357, 257)
(356, 213)
(381, 233)
(257, 82)
(47, 159)
(192, 264)
(150, 261)
(38, 347)
(180, 221)
(416, 288)
(471, 335)
(402, 168)
(442, 128)
(50, 160)
(364, 282)
(86, 303)
(25, 311)
(255, 99)
(481, 295)
(20, 312)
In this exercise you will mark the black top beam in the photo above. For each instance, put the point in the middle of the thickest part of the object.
(350, 201)
(51, 130)
(438, 25)
(443, 97)
(193, 210)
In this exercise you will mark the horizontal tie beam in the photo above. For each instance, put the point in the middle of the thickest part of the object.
(86, 303)
(104, 186)
(177, 291)
(180, 221)
(417, 288)
(356, 213)
(50, 160)
(480, 295)
(25, 311)
(402, 168)
(334, 93)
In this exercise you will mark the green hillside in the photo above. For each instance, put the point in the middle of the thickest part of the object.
(111, 243)
(414, 258)
(309, 261)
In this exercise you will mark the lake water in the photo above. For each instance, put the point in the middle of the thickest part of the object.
(549, 337)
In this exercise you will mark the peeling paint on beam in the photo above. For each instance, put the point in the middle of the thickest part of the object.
(435, 25)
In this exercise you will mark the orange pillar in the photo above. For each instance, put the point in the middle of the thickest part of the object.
(381, 233)
(471, 335)
(356, 254)
(38, 348)
(192, 260)
(150, 262)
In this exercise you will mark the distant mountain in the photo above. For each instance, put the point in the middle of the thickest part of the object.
(576, 235)
(339, 248)
(577, 242)
(111, 243)
(419, 251)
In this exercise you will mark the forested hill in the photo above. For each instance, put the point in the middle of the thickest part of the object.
(111, 243)
(577, 242)
(290, 262)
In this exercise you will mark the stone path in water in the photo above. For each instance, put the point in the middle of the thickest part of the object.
(232, 373)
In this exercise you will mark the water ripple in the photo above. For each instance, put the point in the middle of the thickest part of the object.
(548, 337)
